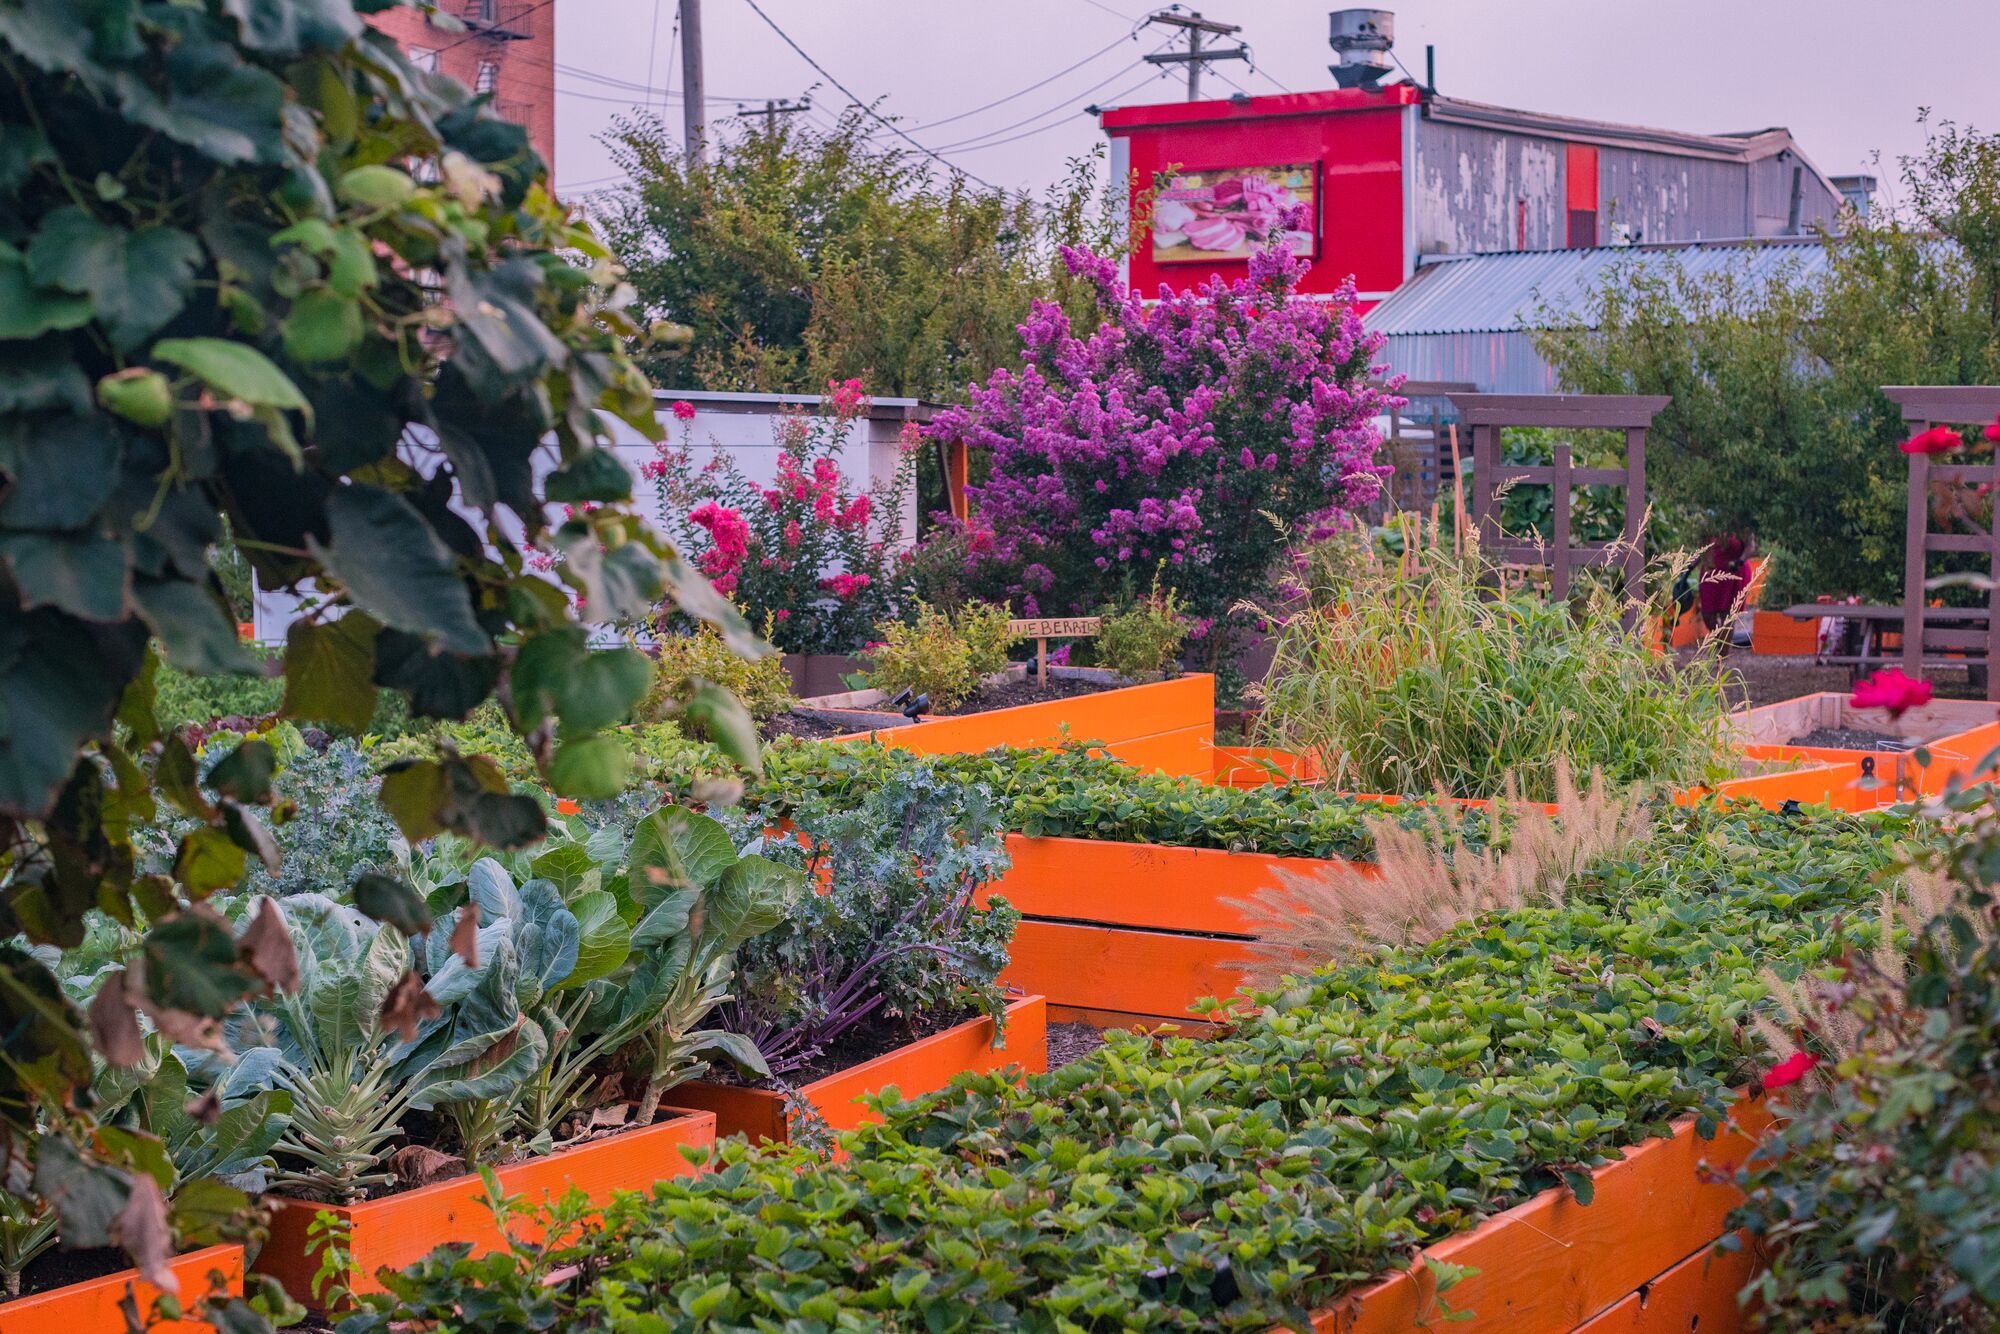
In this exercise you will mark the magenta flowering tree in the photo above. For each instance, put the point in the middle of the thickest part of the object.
(1161, 441)
(810, 557)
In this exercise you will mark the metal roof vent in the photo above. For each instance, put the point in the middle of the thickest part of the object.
(1361, 38)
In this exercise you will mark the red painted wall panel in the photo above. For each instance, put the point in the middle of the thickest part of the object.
(1355, 137)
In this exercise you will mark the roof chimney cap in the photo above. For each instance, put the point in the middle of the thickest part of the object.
(1362, 39)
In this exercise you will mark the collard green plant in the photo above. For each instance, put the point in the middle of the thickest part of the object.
(255, 265)
(1244, 1180)
(894, 942)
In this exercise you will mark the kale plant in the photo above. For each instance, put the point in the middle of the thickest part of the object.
(896, 936)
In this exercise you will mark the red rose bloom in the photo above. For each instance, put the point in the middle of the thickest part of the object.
(1789, 1071)
(1891, 690)
(1937, 440)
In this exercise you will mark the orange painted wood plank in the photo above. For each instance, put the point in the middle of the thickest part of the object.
(1188, 1027)
(1124, 719)
(1773, 632)
(923, 1066)
(92, 1306)
(1550, 1264)
(1836, 785)
(1132, 972)
(1698, 1294)
(396, 1230)
(1251, 766)
(1144, 884)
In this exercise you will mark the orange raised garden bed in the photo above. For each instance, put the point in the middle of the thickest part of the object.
(1956, 735)
(1259, 766)
(1135, 933)
(91, 1306)
(397, 1230)
(923, 1066)
(1164, 726)
(1551, 1265)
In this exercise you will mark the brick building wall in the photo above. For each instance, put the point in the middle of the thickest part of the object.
(508, 48)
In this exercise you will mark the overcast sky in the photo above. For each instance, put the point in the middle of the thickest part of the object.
(1847, 76)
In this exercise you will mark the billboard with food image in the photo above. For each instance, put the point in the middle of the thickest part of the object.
(1230, 212)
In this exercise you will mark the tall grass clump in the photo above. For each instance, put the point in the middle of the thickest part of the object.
(1434, 670)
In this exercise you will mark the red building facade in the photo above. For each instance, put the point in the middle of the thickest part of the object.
(1391, 176)
(507, 49)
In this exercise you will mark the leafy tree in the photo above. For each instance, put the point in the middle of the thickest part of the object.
(799, 256)
(1778, 425)
(255, 266)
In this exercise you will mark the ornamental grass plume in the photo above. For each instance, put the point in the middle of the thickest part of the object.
(1157, 439)
(1430, 878)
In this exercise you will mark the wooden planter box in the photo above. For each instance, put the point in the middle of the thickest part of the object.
(1166, 726)
(1957, 733)
(397, 1230)
(1251, 766)
(820, 673)
(1773, 633)
(1638, 1257)
(91, 1306)
(923, 1066)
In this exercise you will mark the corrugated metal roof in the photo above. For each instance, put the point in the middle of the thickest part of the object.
(1500, 293)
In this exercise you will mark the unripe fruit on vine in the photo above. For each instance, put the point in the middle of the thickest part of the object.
(138, 394)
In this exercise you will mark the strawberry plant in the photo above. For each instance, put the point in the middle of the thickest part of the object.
(1244, 1180)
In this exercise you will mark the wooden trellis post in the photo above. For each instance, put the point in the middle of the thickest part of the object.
(1487, 415)
(1925, 406)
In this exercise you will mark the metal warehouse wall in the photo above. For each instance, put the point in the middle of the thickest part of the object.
(1668, 197)
(1499, 363)
(1480, 190)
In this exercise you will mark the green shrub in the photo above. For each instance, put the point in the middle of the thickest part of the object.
(927, 656)
(983, 627)
(1237, 1182)
(1876, 1193)
(681, 660)
(1145, 639)
(1410, 675)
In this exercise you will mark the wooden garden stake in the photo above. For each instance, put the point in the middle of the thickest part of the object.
(1042, 629)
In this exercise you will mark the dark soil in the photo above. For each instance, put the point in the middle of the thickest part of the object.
(1027, 692)
(1072, 1042)
(1852, 738)
(805, 726)
(60, 1268)
(1771, 680)
(862, 1043)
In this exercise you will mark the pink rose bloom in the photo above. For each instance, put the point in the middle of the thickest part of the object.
(684, 410)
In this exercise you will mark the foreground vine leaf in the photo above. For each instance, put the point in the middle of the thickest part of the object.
(218, 314)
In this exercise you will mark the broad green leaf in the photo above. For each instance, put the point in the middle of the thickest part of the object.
(676, 849)
(558, 674)
(387, 899)
(592, 768)
(191, 963)
(38, 379)
(750, 899)
(28, 311)
(83, 573)
(234, 370)
(439, 685)
(62, 469)
(547, 938)
(291, 27)
(208, 860)
(396, 567)
(197, 634)
(137, 281)
(323, 325)
(603, 940)
(724, 720)
(377, 187)
(595, 474)
(329, 670)
(527, 1051)
(245, 773)
(663, 920)
(413, 792)
(738, 1050)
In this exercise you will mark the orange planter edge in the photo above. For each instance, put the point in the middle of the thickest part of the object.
(398, 1230)
(1551, 1264)
(1699, 1293)
(919, 1067)
(83, 1308)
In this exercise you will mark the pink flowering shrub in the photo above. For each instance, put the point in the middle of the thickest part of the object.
(1163, 439)
(810, 557)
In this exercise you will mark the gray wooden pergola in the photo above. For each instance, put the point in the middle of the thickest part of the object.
(1487, 415)
(1925, 406)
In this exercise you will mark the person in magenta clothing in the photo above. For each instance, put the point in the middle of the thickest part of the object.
(1722, 582)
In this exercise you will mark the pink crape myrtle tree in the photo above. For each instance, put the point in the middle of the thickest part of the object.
(812, 557)
(1197, 437)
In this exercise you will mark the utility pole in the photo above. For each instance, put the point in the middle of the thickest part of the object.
(1195, 57)
(694, 114)
(774, 109)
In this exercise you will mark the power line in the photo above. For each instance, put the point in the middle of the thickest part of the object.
(1063, 106)
(888, 124)
(653, 48)
(1057, 125)
(475, 36)
(998, 101)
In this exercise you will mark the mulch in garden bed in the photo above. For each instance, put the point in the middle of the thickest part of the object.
(1853, 738)
(1072, 1042)
(60, 1268)
(1030, 691)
